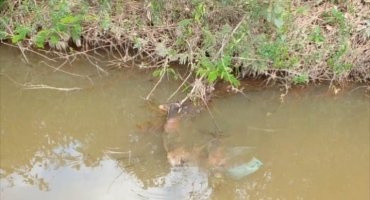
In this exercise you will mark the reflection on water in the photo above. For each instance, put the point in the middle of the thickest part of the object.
(87, 145)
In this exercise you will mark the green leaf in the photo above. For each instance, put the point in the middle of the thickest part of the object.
(269, 17)
(206, 63)
(2, 35)
(172, 71)
(278, 22)
(222, 75)
(157, 72)
(60, 27)
(234, 81)
(41, 37)
(78, 28)
(16, 38)
(226, 60)
(282, 38)
(71, 19)
(75, 33)
(301, 78)
(201, 72)
(278, 9)
(54, 39)
(228, 69)
(330, 63)
(185, 22)
(66, 20)
(22, 33)
(212, 76)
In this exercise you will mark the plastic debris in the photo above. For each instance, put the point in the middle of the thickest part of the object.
(244, 170)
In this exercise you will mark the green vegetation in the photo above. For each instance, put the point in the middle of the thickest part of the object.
(294, 42)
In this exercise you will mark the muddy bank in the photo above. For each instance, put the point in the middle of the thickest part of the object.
(279, 40)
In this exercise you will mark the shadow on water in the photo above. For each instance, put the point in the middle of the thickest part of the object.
(99, 143)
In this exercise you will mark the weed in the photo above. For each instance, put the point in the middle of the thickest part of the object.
(335, 62)
(336, 17)
(317, 37)
(300, 79)
(199, 12)
(20, 33)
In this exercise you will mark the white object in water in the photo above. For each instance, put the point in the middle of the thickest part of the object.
(244, 170)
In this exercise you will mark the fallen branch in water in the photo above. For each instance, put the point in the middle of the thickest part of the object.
(29, 86)
(266, 130)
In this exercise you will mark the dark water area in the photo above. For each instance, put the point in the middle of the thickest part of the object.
(99, 143)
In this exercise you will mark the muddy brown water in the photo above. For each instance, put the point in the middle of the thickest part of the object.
(86, 144)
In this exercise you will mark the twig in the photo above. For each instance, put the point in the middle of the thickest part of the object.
(110, 185)
(232, 33)
(195, 88)
(368, 88)
(173, 94)
(30, 86)
(96, 65)
(24, 55)
(69, 73)
(262, 129)
(191, 66)
(156, 85)
(30, 50)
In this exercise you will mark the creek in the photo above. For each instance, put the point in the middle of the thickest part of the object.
(97, 143)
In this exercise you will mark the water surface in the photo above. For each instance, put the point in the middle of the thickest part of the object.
(59, 144)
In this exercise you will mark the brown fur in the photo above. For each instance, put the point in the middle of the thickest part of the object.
(173, 120)
(212, 152)
(217, 154)
(178, 156)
